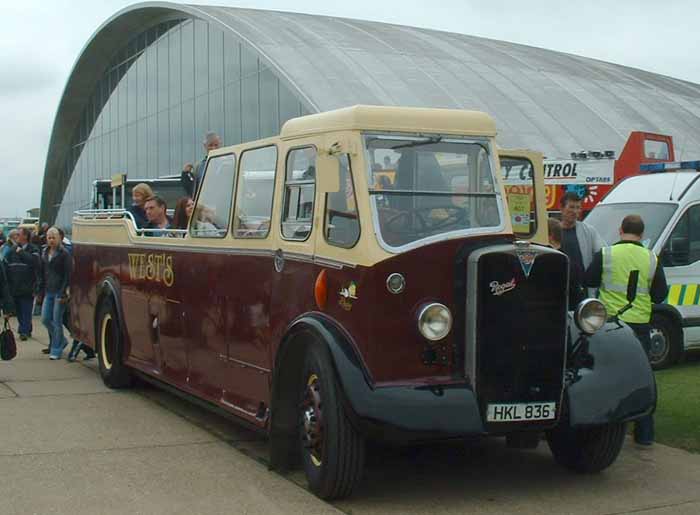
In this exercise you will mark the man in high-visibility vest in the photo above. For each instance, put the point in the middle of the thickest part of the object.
(610, 271)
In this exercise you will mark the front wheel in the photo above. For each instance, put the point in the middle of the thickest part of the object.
(586, 450)
(332, 451)
(110, 347)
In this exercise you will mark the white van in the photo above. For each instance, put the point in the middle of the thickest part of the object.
(668, 200)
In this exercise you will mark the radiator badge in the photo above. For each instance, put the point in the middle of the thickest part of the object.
(499, 289)
(527, 260)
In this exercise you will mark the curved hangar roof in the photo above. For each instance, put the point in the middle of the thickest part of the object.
(553, 102)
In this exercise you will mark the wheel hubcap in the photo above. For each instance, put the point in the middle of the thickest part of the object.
(312, 420)
(659, 345)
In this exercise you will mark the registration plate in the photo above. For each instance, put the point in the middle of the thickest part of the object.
(521, 412)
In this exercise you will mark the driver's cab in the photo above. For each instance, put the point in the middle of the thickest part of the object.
(421, 185)
(424, 187)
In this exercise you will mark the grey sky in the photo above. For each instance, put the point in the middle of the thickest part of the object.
(41, 40)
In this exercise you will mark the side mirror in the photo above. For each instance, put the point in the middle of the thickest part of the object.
(328, 172)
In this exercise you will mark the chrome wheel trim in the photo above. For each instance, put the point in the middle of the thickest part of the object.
(104, 332)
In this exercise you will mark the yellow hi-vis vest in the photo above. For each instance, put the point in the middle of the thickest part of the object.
(618, 262)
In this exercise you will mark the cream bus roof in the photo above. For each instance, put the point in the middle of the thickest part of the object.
(396, 119)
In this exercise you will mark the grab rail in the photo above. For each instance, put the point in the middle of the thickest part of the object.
(115, 214)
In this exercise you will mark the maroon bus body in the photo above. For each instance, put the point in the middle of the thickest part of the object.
(217, 331)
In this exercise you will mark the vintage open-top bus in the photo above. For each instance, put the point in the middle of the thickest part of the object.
(358, 278)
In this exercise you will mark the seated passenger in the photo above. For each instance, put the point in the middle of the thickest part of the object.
(139, 194)
(203, 222)
(183, 212)
(156, 213)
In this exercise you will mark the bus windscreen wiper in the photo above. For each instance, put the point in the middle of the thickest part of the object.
(428, 141)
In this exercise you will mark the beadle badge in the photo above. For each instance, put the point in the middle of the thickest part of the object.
(525, 256)
(347, 295)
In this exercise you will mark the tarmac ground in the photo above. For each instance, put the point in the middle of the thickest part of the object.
(69, 445)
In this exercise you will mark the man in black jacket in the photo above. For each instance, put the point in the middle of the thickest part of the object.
(191, 177)
(23, 267)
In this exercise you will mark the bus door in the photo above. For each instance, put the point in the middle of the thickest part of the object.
(209, 279)
(294, 271)
(166, 314)
(251, 271)
(137, 287)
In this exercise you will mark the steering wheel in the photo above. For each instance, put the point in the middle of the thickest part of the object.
(419, 220)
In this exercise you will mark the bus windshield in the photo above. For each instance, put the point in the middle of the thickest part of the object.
(606, 218)
(422, 187)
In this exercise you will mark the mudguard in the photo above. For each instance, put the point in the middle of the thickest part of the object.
(397, 413)
(614, 381)
(110, 286)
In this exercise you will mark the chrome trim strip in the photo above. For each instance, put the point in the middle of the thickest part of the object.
(244, 364)
(295, 256)
(332, 263)
(237, 408)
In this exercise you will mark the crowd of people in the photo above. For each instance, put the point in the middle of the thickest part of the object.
(35, 270)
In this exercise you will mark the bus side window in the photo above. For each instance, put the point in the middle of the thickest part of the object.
(299, 191)
(213, 210)
(256, 184)
(342, 225)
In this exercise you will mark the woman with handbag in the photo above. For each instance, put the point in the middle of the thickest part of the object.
(8, 347)
(6, 304)
(55, 278)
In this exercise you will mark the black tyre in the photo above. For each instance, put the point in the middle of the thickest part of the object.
(110, 347)
(586, 450)
(332, 451)
(666, 344)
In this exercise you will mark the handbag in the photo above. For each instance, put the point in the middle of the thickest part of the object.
(8, 346)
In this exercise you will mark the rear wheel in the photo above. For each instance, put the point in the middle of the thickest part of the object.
(666, 344)
(586, 450)
(332, 451)
(110, 347)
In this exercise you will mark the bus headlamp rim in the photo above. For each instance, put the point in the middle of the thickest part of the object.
(423, 322)
(590, 316)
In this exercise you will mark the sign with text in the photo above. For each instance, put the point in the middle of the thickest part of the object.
(569, 171)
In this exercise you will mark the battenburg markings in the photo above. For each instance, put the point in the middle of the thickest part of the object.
(683, 295)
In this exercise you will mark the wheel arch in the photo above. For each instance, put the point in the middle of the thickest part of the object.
(670, 312)
(109, 287)
(288, 362)
(676, 345)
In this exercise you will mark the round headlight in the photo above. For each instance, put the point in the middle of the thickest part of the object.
(590, 315)
(434, 321)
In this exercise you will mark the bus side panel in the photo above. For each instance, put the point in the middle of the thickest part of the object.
(83, 293)
(248, 331)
